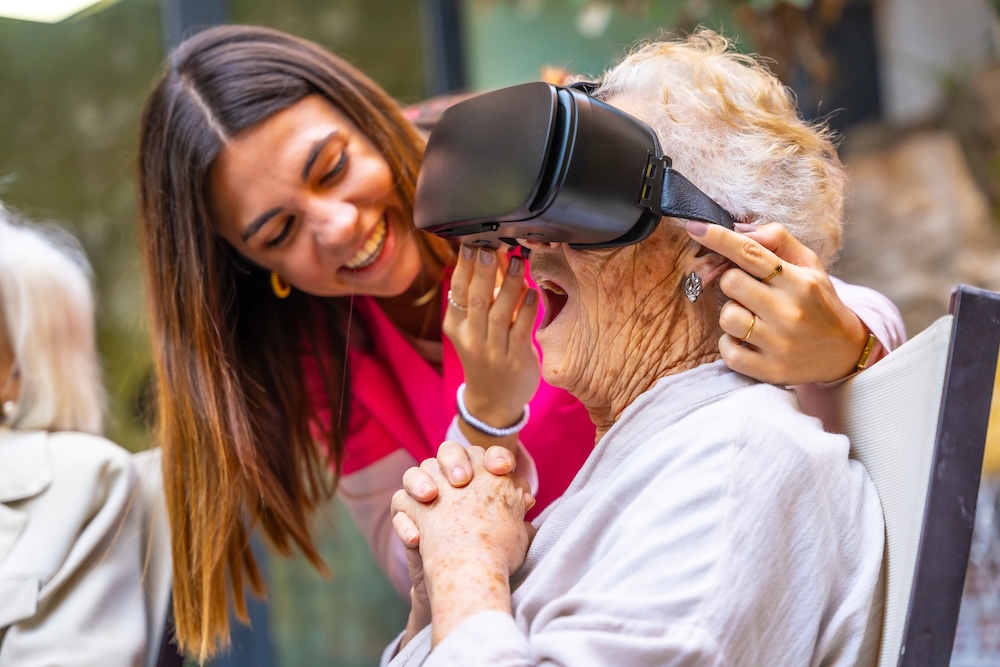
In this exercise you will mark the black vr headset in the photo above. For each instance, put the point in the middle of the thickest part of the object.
(550, 164)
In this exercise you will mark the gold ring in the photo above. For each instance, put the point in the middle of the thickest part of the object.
(750, 330)
(455, 304)
(776, 271)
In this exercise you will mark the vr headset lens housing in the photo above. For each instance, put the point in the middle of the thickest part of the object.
(545, 163)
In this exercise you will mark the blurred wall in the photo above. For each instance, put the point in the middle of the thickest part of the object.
(928, 47)
(70, 96)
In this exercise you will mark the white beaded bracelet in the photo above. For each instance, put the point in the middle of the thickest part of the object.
(483, 427)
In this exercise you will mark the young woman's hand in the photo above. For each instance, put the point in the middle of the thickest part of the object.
(491, 331)
(785, 326)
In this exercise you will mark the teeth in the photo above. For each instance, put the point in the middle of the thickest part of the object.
(369, 252)
(552, 287)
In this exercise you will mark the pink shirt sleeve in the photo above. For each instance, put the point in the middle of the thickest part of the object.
(882, 318)
(877, 313)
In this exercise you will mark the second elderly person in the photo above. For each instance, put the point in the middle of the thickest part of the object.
(714, 523)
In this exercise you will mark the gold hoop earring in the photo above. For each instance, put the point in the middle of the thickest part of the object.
(280, 286)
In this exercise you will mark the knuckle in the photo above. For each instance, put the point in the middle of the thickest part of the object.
(730, 280)
(497, 318)
(752, 252)
(796, 317)
(811, 285)
(478, 303)
(728, 314)
(519, 336)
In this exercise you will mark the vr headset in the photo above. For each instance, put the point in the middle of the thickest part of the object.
(550, 164)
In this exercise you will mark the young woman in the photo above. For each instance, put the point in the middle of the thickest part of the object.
(293, 301)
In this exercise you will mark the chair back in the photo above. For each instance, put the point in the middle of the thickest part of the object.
(917, 422)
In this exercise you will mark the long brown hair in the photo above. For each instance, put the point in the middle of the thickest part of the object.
(233, 418)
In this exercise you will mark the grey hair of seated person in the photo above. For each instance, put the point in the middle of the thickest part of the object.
(47, 315)
(733, 129)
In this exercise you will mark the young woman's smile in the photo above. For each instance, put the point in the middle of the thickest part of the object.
(306, 194)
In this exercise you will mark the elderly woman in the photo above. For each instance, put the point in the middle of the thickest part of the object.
(714, 523)
(71, 557)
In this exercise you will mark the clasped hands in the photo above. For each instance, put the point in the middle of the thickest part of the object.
(461, 518)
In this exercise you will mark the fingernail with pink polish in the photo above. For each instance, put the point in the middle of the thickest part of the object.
(696, 227)
(485, 256)
(530, 297)
(743, 227)
(468, 251)
(514, 266)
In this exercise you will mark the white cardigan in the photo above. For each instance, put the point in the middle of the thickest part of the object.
(714, 524)
(71, 552)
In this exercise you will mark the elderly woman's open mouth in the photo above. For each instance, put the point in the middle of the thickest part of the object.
(554, 299)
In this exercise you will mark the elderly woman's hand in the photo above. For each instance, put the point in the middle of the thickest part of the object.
(491, 332)
(787, 325)
(471, 539)
(455, 464)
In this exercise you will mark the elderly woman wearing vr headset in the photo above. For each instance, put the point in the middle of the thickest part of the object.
(293, 301)
(714, 523)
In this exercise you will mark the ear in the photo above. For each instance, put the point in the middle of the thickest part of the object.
(707, 264)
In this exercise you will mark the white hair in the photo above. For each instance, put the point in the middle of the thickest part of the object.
(732, 128)
(47, 310)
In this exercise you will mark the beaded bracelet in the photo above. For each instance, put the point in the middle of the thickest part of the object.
(483, 427)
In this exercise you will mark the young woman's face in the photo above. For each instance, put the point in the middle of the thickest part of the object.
(306, 194)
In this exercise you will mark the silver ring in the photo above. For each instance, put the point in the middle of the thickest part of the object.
(454, 304)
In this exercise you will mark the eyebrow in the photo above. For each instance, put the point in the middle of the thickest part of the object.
(259, 222)
(314, 151)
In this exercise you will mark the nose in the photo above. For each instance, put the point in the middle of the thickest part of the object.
(334, 224)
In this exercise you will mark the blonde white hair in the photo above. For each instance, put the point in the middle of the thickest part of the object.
(47, 311)
(732, 128)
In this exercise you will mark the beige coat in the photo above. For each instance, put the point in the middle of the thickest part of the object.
(73, 548)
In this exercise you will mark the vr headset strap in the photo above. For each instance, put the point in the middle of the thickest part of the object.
(681, 199)
(676, 197)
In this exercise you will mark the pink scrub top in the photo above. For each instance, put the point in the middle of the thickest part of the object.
(398, 400)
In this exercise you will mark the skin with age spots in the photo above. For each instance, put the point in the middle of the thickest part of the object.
(479, 538)
(619, 304)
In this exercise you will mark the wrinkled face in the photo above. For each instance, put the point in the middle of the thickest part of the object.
(607, 312)
(306, 194)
